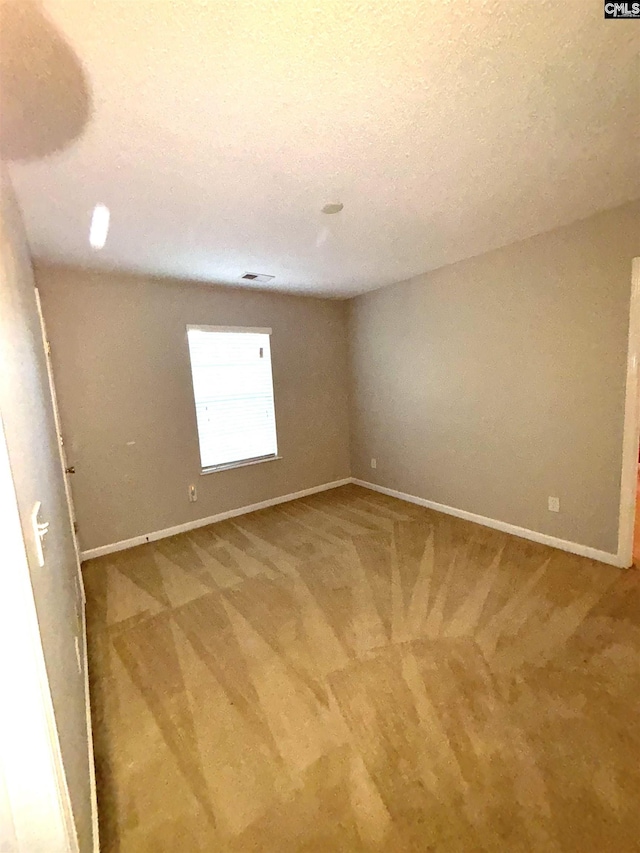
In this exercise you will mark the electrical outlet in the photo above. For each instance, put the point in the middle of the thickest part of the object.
(554, 504)
(193, 495)
(374, 463)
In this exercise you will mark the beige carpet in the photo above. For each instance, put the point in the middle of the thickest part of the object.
(352, 673)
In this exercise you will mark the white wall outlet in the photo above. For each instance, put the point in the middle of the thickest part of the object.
(374, 463)
(554, 504)
(193, 494)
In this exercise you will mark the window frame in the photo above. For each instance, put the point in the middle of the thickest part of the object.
(240, 463)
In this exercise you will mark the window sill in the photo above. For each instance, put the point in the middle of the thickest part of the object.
(240, 464)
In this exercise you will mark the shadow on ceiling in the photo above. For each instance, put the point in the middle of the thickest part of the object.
(45, 102)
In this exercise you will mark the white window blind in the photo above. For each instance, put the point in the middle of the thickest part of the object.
(233, 390)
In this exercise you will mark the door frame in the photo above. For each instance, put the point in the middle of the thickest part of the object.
(63, 455)
(79, 580)
(631, 431)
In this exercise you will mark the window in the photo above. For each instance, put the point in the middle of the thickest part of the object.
(233, 390)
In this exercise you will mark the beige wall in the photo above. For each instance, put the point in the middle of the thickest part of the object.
(496, 382)
(27, 413)
(122, 371)
(487, 386)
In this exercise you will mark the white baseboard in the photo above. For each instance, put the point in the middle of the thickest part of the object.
(522, 532)
(203, 522)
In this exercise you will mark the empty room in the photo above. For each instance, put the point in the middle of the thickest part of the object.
(319, 345)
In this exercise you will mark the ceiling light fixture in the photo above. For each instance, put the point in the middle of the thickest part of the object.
(99, 226)
(333, 207)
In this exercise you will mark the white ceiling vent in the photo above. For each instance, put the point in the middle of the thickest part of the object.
(254, 276)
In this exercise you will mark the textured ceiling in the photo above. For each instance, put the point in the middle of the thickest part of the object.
(219, 129)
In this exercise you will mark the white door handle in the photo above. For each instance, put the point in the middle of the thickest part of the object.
(40, 530)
